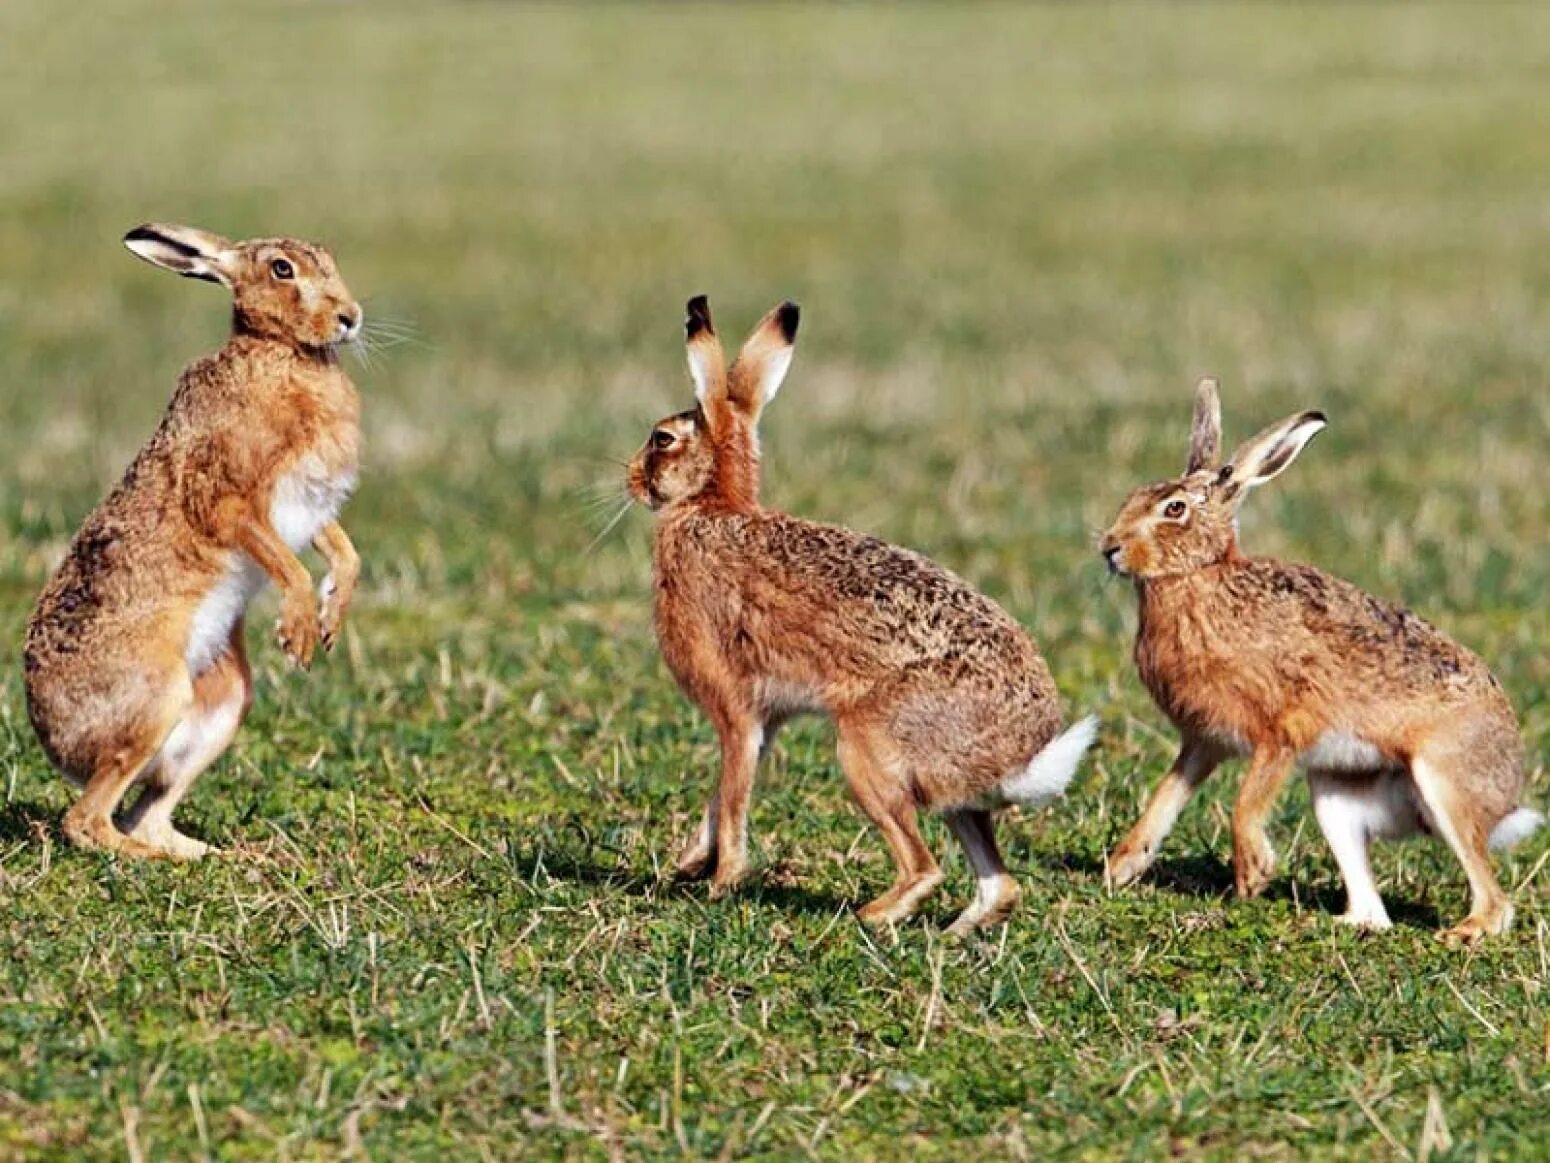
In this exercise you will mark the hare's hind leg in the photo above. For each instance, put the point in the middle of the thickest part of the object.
(1344, 814)
(132, 755)
(996, 893)
(1457, 820)
(871, 769)
(222, 696)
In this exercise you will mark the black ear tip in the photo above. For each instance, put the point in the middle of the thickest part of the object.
(141, 233)
(699, 316)
(788, 314)
(1316, 417)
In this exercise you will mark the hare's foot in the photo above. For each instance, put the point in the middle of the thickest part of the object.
(1374, 921)
(99, 832)
(901, 901)
(1478, 926)
(299, 628)
(1253, 866)
(695, 862)
(729, 874)
(698, 857)
(168, 841)
(994, 901)
(331, 618)
(1127, 864)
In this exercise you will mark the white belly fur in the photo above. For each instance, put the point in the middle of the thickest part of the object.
(1385, 808)
(1343, 751)
(304, 500)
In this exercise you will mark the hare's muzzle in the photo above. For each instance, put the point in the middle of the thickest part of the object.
(348, 323)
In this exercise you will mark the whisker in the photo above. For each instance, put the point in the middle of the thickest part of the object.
(611, 484)
(599, 501)
(381, 327)
(609, 528)
(362, 351)
(386, 333)
(385, 340)
(401, 320)
(595, 497)
(595, 506)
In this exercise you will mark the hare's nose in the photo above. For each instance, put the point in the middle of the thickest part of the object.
(350, 320)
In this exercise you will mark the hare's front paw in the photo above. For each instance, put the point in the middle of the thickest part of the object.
(728, 877)
(1253, 865)
(1486, 922)
(696, 860)
(336, 600)
(1126, 865)
(299, 627)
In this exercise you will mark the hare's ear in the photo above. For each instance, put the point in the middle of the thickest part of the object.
(762, 364)
(1205, 437)
(194, 254)
(707, 366)
(1266, 456)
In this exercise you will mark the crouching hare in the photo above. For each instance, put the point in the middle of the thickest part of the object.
(1400, 729)
(939, 698)
(136, 672)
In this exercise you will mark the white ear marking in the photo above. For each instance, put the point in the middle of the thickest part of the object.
(184, 250)
(766, 356)
(700, 374)
(707, 366)
(1268, 455)
(775, 369)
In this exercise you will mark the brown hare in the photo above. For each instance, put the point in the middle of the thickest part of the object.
(135, 667)
(939, 698)
(1400, 729)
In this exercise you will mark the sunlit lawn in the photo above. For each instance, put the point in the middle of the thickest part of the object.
(1018, 236)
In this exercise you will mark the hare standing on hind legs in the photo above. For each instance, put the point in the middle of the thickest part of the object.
(1400, 729)
(938, 697)
(135, 666)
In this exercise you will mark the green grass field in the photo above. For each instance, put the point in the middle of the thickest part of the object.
(1018, 236)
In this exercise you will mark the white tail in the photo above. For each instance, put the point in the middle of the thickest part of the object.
(1515, 827)
(1047, 774)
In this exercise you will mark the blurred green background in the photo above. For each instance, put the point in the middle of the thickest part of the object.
(1018, 234)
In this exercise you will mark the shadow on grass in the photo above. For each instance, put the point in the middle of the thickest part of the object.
(1210, 877)
(20, 820)
(611, 870)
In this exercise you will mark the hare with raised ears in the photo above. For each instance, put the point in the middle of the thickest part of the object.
(135, 667)
(1400, 729)
(939, 698)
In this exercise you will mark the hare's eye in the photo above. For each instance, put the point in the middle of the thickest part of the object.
(1174, 509)
(282, 269)
(662, 439)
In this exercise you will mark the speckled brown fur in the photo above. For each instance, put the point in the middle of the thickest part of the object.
(1286, 664)
(937, 694)
(111, 691)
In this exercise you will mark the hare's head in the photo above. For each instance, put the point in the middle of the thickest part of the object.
(712, 451)
(1190, 522)
(282, 288)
